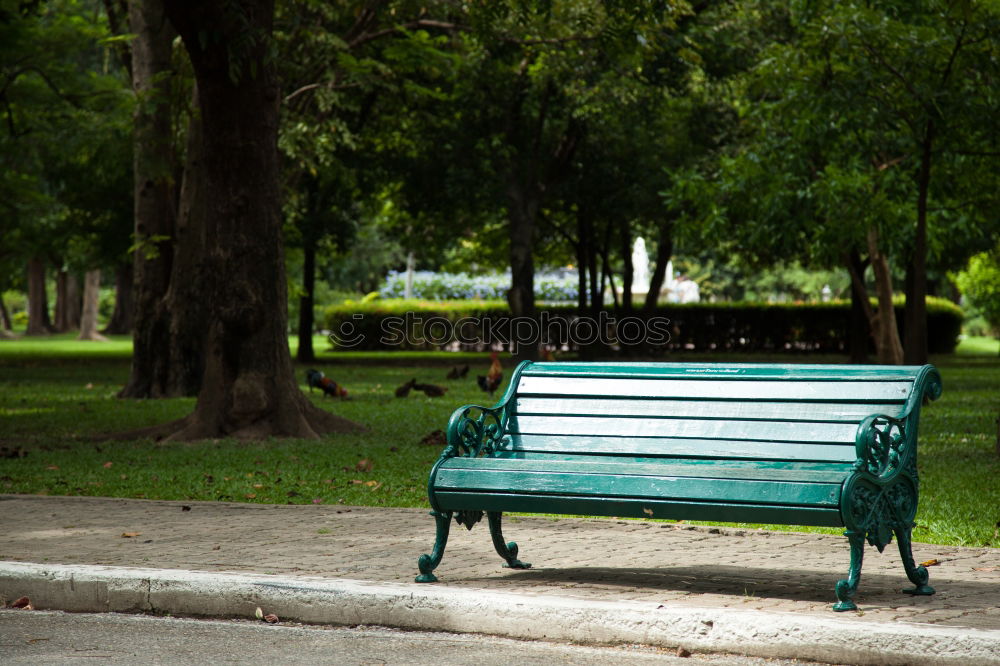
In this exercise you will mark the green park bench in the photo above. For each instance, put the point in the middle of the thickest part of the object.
(826, 445)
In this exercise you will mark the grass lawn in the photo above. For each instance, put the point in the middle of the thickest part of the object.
(57, 397)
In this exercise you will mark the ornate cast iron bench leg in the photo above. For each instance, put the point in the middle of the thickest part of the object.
(846, 588)
(507, 551)
(428, 563)
(917, 575)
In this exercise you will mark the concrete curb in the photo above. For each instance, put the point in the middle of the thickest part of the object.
(436, 607)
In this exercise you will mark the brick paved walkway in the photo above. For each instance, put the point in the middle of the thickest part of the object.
(598, 559)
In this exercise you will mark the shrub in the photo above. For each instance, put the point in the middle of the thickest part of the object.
(744, 327)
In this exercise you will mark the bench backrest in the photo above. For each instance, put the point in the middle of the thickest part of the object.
(798, 413)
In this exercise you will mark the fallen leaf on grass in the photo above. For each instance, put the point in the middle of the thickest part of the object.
(108, 465)
(364, 465)
(929, 563)
(250, 495)
(317, 500)
(130, 535)
(53, 467)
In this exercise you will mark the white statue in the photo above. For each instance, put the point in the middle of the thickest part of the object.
(640, 268)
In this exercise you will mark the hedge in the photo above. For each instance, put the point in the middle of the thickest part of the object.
(742, 327)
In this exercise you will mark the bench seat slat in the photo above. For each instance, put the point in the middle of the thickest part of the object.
(707, 409)
(713, 389)
(640, 508)
(768, 431)
(672, 447)
(621, 485)
(737, 371)
(839, 466)
(718, 469)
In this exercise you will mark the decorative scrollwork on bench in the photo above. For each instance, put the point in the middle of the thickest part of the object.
(879, 511)
(475, 436)
(882, 446)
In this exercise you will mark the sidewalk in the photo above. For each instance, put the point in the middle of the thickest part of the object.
(602, 581)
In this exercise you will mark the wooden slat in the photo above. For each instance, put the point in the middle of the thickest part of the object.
(775, 431)
(713, 389)
(625, 485)
(840, 467)
(746, 371)
(664, 446)
(708, 409)
(749, 470)
(644, 508)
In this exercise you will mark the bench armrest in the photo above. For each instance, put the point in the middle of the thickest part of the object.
(475, 431)
(886, 445)
(882, 446)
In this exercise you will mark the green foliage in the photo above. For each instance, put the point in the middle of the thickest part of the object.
(980, 283)
(842, 104)
(65, 163)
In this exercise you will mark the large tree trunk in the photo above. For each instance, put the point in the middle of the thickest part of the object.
(858, 333)
(596, 282)
(522, 211)
(664, 250)
(915, 314)
(60, 322)
(74, 301)
(184, 301)
(887, 343)
(154, 200)
(121, 318)
(248, 388)
(305, 352)
(91, 300)
(38, 304)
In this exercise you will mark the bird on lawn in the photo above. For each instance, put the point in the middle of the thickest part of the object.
(430, 390)
(491, 382)
(458, 372)
(404, 390)
(316, 379)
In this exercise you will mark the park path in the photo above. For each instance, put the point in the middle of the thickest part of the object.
(594, 559)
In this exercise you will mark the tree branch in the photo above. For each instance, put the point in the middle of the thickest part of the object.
(559, 229)
(412, 25)
(551, 40)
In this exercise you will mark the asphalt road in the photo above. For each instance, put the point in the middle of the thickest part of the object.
(52, 637)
